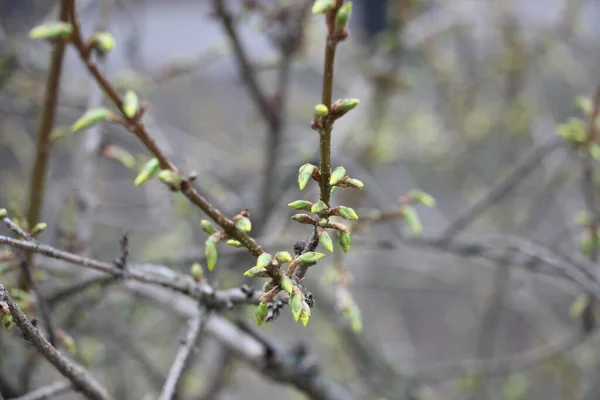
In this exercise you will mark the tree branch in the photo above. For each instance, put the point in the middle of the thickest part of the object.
(79, 377)
(47, 392)
(43, 143)
(187, 346)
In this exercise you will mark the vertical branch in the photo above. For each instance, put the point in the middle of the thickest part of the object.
(43, 142)
(326, 99)
(187, 346)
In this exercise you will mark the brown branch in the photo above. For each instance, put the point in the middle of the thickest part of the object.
(47, 392)
(185, 350)
(137, 127)
(326, 99)
(38, 174)
(79, 377)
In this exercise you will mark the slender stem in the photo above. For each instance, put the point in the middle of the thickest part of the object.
(326, 99)
(47, 392)
(201, 292)
(43, 142)
(185, 350)
(82, 380)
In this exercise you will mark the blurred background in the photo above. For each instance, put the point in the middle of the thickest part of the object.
(454, 95)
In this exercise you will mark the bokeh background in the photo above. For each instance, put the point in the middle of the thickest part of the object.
(454, 94)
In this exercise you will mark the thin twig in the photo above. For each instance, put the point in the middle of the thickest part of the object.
(47, 392)
(79, 377)
(185, 349)
(326, 99)
(173, 281)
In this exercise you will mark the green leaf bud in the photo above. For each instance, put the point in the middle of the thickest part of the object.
(263, 260)
(261, 313)
(283, 257)
(169, 177)
(337, 176)
(326, 241)
(346, 213)
(210, 251)
(131, 104)
(321, 110)
(345, 241)
(286, 284)
(295, 302)
(104, 41)
(207, 226)
(323, 6)
(91, 117)
(301, 205)
(310, 257)
(318, 207)
(149, 171)
(304, 174)
(51, 30)
(243, 224)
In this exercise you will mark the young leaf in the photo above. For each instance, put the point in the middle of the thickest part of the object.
(207, 226)
(149, 171)
(345, 241)
(301, 205)
(343, 15)
(412, 219)
(337, 176)
(305, 314)
(322, 6)
(51, 30)
(90, 118)
(119, 154)
(3, 213)
(169, 177)
(304, 174)
(347, 213)
(303, 218)
(283, 257)
(422, 197)
(243, 224)
(197, 272)
(321, 110)
(131, 104)
(263, 260)
(104, 41)
(286, 284)
(261, 313)
(210, 251)
(295, 302)
(235, 243)
(255, 271)
(355, 183)
(39, 228)
(318, 207)
(326, 241)
(310, 257)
